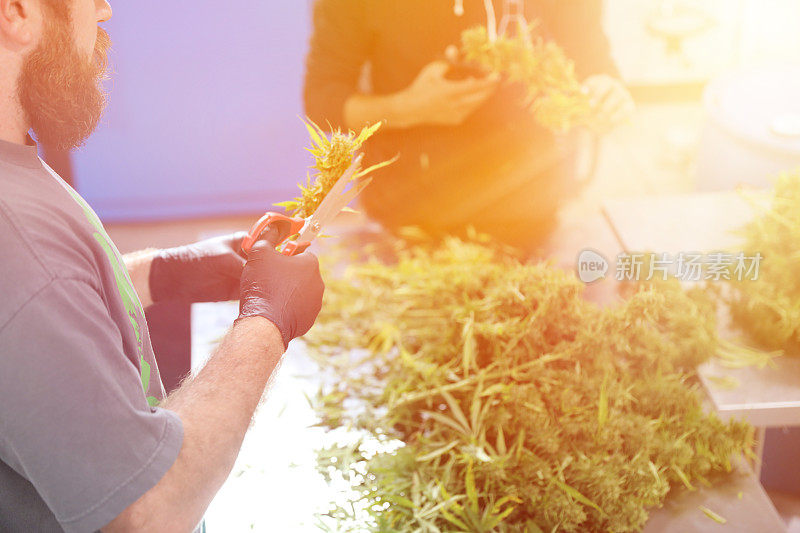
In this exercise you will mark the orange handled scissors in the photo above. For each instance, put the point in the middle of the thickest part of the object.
(308, 229)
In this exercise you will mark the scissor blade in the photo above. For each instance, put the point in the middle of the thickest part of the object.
(336, 199)
(354, 191)
(330, 205)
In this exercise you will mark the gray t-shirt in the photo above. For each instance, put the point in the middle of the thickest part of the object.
(81, 436)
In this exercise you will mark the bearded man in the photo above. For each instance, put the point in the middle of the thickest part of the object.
(88, 440)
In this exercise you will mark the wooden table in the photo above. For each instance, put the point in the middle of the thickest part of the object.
(738, 498)
(767, 397)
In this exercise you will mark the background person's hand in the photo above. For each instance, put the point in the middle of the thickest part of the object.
(206, 271)
(611, 101)
(285, 290)
(432, 99)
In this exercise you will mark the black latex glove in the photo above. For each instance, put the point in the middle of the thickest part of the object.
(206, 271)
(287, 291)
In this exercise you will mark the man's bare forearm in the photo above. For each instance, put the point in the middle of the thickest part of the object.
(138, 265)
(216, 408)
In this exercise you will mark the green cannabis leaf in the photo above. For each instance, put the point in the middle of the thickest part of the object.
(554, 95)
(333, 155)
(768, 309)
(491, 397)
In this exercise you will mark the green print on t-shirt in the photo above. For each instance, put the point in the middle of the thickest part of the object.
(126, 291)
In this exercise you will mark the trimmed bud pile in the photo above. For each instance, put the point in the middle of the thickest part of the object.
(490, 396)
(768, 309)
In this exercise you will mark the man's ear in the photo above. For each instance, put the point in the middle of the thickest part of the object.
(20, 21)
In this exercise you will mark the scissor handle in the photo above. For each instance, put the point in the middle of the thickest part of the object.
(288, 226)
(294, 248)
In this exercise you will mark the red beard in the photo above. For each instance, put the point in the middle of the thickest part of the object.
(60, 91)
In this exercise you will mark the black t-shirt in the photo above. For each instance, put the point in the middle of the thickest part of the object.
(81, 436)
(499, 163)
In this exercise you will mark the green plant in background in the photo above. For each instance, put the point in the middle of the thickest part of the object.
(490, 396)
(333, 155)
(768, 309)
(555, 96)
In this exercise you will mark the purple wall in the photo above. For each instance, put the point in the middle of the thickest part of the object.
(204, 107)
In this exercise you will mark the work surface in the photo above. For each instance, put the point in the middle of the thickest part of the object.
(766, 397)
(274, 486)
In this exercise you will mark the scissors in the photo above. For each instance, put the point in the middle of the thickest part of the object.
(308, 229)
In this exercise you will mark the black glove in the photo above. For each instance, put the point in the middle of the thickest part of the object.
(287, 291)
(206, 271)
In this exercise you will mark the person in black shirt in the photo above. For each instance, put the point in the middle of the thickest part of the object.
(470, 155)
